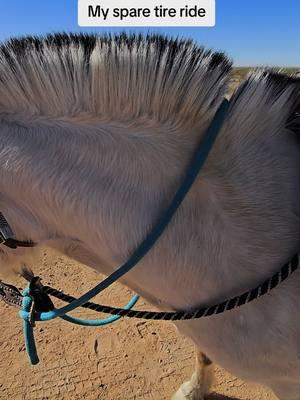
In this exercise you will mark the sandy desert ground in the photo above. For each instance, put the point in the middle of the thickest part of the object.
(129, 360)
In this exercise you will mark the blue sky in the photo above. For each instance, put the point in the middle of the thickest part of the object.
(252, 32)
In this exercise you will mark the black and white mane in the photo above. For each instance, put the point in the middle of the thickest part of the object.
(124, 77)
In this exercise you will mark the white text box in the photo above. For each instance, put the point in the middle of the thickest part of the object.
(146, 13)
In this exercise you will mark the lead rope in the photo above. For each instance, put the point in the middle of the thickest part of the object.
(230, 304)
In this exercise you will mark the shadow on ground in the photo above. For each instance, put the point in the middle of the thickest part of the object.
(215, 396)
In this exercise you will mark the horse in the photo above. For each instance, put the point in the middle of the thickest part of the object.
(96, 133)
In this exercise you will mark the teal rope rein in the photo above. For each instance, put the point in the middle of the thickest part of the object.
(30, 316)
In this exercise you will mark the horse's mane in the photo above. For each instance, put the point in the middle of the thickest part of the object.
(273, 97)
(133, 77)
(112, 77)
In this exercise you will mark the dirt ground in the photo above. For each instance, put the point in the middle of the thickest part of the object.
(129, 360)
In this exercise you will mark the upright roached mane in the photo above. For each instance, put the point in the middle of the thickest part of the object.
(120, 78)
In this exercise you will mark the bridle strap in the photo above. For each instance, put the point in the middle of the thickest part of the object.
(14, 243)
(7, 237)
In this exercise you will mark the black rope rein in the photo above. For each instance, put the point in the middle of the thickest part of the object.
(227, 305)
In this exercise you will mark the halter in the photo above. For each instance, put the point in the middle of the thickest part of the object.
(35, 296)
(7, 237)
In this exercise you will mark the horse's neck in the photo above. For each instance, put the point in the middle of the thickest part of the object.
(98, 196)
(101, 188)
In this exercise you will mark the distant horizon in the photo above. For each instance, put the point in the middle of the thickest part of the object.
(267, 66)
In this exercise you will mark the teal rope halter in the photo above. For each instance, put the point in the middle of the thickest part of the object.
(27, 308)
(28, 314)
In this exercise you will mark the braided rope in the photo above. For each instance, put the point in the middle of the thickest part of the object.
(227, 305)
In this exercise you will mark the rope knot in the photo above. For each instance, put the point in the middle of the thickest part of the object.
(27, 306)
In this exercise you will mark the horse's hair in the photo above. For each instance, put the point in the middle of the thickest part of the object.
(278, 94)
(128, 78)
(120, 77)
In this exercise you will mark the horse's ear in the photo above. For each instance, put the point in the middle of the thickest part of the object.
(272, 97)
